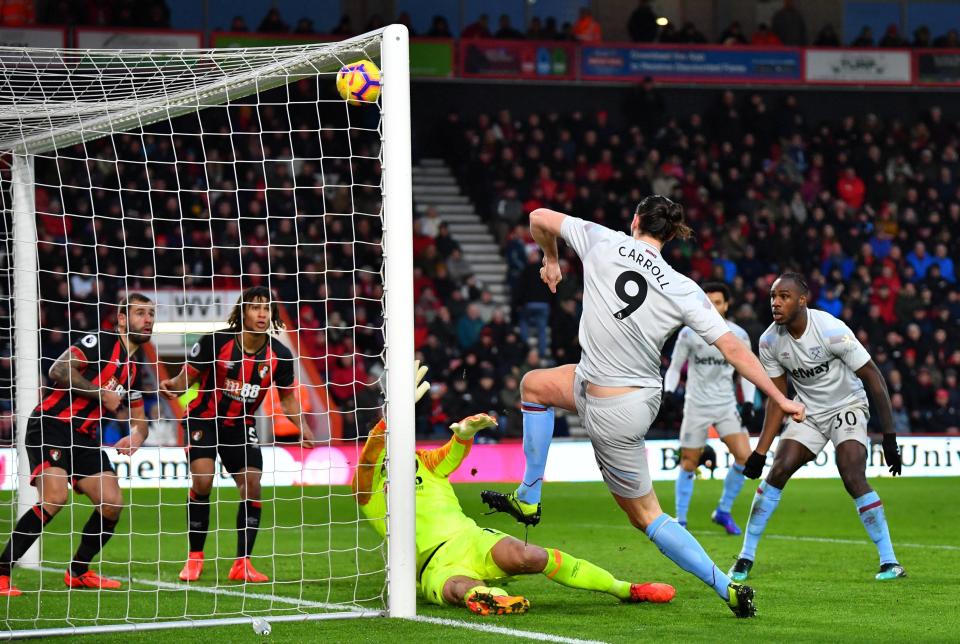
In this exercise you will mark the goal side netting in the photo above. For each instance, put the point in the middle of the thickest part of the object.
(191, 176)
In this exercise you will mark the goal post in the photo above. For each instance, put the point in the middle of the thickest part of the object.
(186, 164)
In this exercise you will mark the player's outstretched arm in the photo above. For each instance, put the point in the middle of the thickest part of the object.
(445, 460)
(748, 366)
(362, 483)
(772, 422)
(174, 387)
(291, 409)
(671, 380)
(545, 225)
(876, 388)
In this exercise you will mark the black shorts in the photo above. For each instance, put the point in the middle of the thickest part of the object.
(238, 445)
(53, 443)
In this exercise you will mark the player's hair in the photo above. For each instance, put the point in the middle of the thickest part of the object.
(249, 296)
(797, 279)
(718, 287)
(662, 218)
(123, 306)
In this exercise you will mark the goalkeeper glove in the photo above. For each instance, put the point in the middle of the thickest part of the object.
(891, 453)
(754, 465)
(467, 428)
(421, 386)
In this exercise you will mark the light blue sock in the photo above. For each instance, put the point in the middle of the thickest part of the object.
(685, 482)
(684, 550)
(764, 503)
(537, 434)
(731, 487)
(875, 521)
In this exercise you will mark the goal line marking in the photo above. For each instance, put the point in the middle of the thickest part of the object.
(293, 601)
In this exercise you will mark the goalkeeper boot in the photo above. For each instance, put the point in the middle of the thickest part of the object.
(494, 601)
(726, 520)
(651, 592)
(740, 570)
(243, 570)
(525, 513)
(890, 571)
(741, 600)
(193, 568)
(90, 579)
(7, 589)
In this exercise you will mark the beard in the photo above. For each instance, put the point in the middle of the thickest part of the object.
(138, 337)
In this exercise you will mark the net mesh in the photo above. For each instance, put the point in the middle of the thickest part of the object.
(189, 176)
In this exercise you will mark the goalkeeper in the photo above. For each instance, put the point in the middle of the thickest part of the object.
(457, 559)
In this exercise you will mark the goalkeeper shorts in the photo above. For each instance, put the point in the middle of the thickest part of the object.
(617, 426)
(696, 424)
(467, 554)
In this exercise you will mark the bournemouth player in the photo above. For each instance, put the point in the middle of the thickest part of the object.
(633, 300)
(833, 375)
(457, 559)
(235, 369)
(710, 399)
(94, 378)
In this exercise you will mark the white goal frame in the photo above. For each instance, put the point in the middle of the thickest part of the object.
(398, 301)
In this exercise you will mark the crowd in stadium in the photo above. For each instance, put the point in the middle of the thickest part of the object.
(868, 209)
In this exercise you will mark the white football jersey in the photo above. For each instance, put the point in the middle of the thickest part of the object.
(633, 301)
(821, 363)
(709, 376)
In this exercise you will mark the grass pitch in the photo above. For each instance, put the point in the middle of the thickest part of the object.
(813, 576)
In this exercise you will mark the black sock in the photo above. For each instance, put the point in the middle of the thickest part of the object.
(25, 533)
(198, 520)
(248, 523)
(96, 534)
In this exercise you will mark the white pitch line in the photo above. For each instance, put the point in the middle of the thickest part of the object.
(293, 601)
(500, 630)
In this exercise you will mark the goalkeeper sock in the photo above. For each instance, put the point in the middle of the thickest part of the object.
(684, 550)
(248, 523)
(732, 485)
(765, 501)
(875, 521)
(537, 434)
(198, 520)
(96, 534)
(580, 573)
(28, 528)
(684, 493)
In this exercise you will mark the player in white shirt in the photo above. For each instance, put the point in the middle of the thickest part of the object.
(632, 302)
(710, 400)
(829, 369)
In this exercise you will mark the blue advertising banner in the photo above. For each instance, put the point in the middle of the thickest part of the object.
(686, 64)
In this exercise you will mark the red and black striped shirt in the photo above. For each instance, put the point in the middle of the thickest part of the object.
(105, 363)
(234, 383)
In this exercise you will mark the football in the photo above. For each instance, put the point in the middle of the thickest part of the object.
(359, 82)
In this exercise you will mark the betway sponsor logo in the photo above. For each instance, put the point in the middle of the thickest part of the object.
(805, 374)
(709, 360)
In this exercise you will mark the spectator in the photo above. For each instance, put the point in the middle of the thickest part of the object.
(304, 26)
(344, 27)
(851, 188)
(586, 28)
(404, 19)
(458, 267)
(511, 416)
(733, 35)
(921, 37)
(238, 24)
(690, 34)
(533, 302)
(506, 30)
(827, 37)
(891, 37)
(950, 40)
(789, 26)
(763, 37)
(535, 29)
(430, 222)
(920, 260)
(272, 23)
(945, 418)
(478, 29)
(643, 23)
(439, 27)
(945, 262)
(468, 327)
(901, 417)
(864, 38)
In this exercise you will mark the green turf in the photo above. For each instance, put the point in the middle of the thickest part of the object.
(806, 590)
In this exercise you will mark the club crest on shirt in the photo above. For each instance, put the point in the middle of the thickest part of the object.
(228, 365)
(264, 368)
(816, 352)
(54, 454)
(196, 434)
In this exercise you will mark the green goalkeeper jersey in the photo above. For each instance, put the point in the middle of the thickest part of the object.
(439, 515)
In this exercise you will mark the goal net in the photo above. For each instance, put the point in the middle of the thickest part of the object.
(188, 176)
